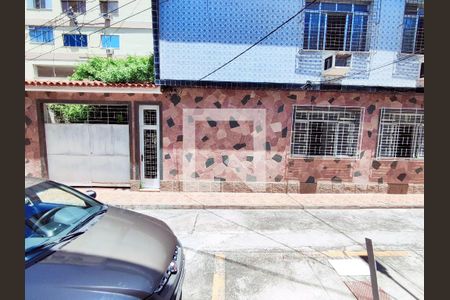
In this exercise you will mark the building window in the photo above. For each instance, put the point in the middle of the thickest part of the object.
(109, 7)
(413, 28)
(75, 40)
(54, 71)
(38, 4)
(401, 133)
(110, 41)
(336, 26)
(77, 6)
(326, 131)
(41, 34)
(422, 70)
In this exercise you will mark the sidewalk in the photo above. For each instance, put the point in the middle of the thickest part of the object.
(196, 200)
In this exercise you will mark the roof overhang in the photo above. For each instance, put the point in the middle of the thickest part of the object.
(91, 87)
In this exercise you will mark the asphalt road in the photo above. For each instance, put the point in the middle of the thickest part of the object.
(286, 254)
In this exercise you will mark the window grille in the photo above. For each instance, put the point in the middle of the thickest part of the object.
(401, 133)
(150, 117)
(41, 34)
(336, 26)
(326, 131)
(86, 113)
(75, 40)
(77, 6)
(413, 28)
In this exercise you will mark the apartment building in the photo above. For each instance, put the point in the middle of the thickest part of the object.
(59, 34)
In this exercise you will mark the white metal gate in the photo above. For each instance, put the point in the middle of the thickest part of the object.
(89, 153)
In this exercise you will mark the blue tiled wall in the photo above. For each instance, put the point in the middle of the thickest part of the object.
(197, 36)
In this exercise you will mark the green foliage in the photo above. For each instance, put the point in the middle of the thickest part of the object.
(70, 113)
(132, 69)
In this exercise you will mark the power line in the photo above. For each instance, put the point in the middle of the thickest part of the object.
(130, 16)
(47, 23)
(64, 13)
(83, 25)
(259, 41)
(61, 17)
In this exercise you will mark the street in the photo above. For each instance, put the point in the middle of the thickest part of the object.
(284, 254)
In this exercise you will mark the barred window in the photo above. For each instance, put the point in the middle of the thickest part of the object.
(413, 28)
(401, 133)
(336, 26)
(326, 131)
(86, 113)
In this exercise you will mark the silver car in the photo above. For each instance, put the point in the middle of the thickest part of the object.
(79, 248)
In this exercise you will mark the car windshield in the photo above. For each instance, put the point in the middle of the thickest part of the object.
(53, 212)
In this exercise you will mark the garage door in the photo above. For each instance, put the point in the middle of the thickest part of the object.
(88, 144)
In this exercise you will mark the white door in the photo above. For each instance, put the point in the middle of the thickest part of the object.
(149, 146)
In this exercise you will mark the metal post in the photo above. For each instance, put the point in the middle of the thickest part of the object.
(373, 269)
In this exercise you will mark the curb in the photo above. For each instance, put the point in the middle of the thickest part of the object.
(169, 206)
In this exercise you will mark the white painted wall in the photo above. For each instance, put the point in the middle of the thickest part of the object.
(135, 34)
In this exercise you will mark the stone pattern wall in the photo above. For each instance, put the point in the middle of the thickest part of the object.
(224, 150)
(33, 165)
(222, 140)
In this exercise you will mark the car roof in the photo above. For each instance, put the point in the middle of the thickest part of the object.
(30, 181)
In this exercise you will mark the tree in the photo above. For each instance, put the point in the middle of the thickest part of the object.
(132, 69)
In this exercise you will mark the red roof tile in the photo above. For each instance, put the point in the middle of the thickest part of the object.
(88, 84)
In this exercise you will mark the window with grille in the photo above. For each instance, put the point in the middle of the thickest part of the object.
(336, 26)
(77, 5)
(86, 113)
(401, 133)
(39, 4)
(326, 131)
(41, 34)
(109, 7)
(75, 40)
(413, 28)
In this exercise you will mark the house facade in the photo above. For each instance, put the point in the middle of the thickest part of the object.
(59, 34)
(330, 102)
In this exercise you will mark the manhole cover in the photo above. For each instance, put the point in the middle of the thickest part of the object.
(362, 290)
(350, 267)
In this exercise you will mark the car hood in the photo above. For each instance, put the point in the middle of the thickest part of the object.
(123, 254)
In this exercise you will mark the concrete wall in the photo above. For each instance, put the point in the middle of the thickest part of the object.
(225, 152)
(197, 36)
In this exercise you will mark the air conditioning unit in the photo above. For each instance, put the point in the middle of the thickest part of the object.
(337, 64)
(109, 52)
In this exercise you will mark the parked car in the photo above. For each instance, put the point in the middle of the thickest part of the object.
(79, 248)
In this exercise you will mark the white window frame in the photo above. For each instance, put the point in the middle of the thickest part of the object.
(395, 135)
(335, 147)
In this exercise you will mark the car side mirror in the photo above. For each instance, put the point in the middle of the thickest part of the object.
(91, 193)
